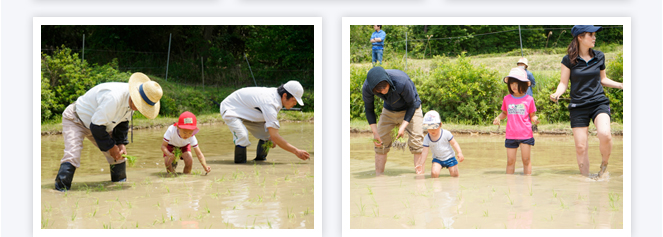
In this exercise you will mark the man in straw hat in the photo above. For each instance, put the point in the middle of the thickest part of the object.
(402, 107)
(102, 115)
(255, 109)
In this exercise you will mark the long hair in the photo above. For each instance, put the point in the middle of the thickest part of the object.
(574, 49)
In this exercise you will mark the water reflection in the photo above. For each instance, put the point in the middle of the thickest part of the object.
(555, 195)
(273, 194)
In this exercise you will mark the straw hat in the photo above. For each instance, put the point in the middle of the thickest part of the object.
(523, 61)
(145, 94)
(518, 74)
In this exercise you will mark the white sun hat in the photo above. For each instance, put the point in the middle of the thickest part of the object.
(432, 120)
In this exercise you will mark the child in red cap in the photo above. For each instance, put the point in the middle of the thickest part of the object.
(181, 135)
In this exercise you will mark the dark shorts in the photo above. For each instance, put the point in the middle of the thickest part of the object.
(183, 149)
(515, 143)
(447, 163)
(580, 117)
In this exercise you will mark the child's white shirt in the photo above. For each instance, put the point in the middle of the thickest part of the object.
(173, 138)
(440, 148)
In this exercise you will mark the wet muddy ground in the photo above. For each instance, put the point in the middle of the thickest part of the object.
(277, 193)
(555, 196)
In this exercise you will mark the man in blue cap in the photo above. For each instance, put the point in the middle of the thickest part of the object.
(402, 107)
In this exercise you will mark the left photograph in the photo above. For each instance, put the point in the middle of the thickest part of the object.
(176, 126)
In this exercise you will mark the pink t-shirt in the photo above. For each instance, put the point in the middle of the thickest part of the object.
(518, 125)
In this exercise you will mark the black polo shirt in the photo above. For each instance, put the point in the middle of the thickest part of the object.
(585, 79)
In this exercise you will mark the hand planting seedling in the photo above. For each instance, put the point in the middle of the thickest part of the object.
(131, 160)
(400, 142)
(177, 152)
(267, 145)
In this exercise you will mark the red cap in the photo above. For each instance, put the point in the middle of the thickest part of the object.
(187, 121)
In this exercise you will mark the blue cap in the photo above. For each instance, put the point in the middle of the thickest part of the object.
(579, 29)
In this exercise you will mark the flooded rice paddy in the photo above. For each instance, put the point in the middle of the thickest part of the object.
(555, 196)
(277, 193)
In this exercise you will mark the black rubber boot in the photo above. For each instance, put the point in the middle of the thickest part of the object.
(261, 152)
(119, 172)
(240, 155)
(64, 177)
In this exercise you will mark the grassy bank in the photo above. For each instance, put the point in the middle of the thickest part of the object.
(361, 126)
(53, 127)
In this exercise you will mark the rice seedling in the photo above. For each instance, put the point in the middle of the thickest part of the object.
(158, 204)
(530, 190)
(269, 223)
(613, 198)
(370, 192)
(93, 213)
(207, 208)
(361, 207)
(44, 223)
(129, 204)
(178, 153)
(49, 208)
(554, 193)
(267, 145)
(376, 213)
(411, 221)
(406, 203)
(97, 202)
(131, 160)
(274, 194)
(485, 213)
(306, 212)
(73, 215)
(122, 218)
(551, 218)
(290, 214)
(287, 178)
(108, 226)
(396, 217)
(509, 197)
(136, 224)
(561, 203)
(219, 180)
(398, 143)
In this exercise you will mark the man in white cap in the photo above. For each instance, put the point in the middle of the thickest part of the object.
(255, 109)
(102, 115)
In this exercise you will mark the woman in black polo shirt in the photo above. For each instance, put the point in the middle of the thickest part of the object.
(585, 68)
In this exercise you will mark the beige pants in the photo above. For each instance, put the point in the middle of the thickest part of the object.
(74, 132)
(415, 131)
(240, 129)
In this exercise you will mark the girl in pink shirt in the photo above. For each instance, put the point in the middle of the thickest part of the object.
(520, 110)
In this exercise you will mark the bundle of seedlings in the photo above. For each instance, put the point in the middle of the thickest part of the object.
(267, 145)
(131, 160)
(399, 143)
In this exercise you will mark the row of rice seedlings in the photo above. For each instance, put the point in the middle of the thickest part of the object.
(291, 215)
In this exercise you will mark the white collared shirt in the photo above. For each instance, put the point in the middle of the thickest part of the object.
(106, 104)
(256, 104)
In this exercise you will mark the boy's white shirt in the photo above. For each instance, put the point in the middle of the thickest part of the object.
(441, 149)
(244, 103)
(106, 104)
(173, 138)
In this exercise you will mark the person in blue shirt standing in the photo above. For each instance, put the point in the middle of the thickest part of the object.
(377, 40)
(522, 63)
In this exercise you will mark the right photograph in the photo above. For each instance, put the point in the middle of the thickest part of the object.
(487, 126)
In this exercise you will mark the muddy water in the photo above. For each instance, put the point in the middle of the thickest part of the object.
(555, 196)
(275, 194)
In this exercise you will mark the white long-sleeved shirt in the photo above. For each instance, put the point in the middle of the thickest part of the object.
(256, 104)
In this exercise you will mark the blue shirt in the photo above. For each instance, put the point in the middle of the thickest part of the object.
(530, 77)
(378, 34)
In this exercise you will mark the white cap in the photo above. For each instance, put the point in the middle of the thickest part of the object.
(296, 90)
(431, 120)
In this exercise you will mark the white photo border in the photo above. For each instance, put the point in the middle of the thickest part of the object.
(36, 110)
(345, 128)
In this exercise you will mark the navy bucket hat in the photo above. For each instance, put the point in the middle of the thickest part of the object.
(579, 29)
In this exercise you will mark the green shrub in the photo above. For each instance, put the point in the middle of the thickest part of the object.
(615, 71)
(65, 77)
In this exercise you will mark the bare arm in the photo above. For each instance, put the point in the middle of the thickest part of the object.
(499, 117)
(563, 83)
(201, 158)
(169, 156)
(376, 136)
(456, 147)
(534, 118)
(605, 81)
(278, 140)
